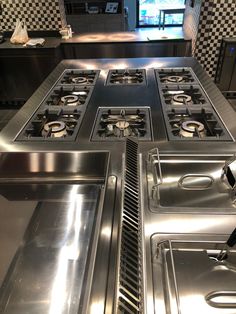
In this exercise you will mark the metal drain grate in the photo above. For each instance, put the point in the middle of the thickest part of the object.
(130, 272)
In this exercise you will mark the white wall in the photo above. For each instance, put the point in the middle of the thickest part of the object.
(131, 5)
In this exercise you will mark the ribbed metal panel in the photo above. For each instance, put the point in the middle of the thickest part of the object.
(130, 272)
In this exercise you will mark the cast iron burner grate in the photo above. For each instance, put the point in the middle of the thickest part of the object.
(175, 75)
(69, 96)
(79, 77)
(121, 123)
(53, 125)
(180, 95)
(126, 77)
(193, 124)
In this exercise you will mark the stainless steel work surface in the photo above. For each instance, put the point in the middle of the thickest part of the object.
(15, 217)
(188, 277)
(188, 183)
(53, 258)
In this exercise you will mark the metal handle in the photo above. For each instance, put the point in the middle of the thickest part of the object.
(229, 244)
(155, 159)
(226, 296)
(197, 187)
(227, 173)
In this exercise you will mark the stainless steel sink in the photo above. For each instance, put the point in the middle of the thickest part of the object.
(188, 184)
(187, 277)
(51, 206)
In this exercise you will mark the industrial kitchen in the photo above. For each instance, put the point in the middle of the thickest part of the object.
(117, 162)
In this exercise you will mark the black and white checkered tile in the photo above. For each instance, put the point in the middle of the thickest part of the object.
(38, 14)
(217, 20)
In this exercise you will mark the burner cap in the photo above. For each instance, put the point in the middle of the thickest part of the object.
(79, 80)
(122, 125)
(181, 99)
(174, 79)
(56, 129)
(126, 78)
(122, 129)
(188, 128)
(70, 100)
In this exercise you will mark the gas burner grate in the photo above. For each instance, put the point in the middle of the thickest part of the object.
(51, 125)
(79, 77)
(175, 75)
(121, 123)
(183, 95)
(69, 96)
(199, 124)
(127, 77)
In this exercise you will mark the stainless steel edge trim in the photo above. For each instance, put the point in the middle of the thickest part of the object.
(143, 236)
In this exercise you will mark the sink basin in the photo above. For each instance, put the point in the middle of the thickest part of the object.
(51, 206)
(187, 277)
(189, 184)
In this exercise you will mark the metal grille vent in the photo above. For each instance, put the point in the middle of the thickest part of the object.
(130, 272)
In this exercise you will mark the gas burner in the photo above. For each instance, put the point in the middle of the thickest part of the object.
(122, 129)
(175, 75)
(192, 128)
(195, 124)
(69, 96)
(175, 79)
(120, 123)
(126, 77)
(181, 99)
(53, 124)
(54, 129)
(79, 77)
(79, 80)
(70, 100)
(183, 95)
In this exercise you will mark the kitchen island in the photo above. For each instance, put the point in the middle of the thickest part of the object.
(85, 110)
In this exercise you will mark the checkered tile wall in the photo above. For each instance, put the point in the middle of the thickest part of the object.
(38, 14)
(217, 20)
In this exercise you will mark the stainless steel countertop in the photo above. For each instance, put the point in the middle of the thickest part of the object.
(138, 36)
(50, 43)
(199, 223)
(107, 96)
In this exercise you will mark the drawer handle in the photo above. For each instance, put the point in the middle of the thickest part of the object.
(222, 299)
(186, 184)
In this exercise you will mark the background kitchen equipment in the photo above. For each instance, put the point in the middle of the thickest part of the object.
(2, 37)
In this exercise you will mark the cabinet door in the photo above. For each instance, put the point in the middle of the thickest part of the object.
(21, 74)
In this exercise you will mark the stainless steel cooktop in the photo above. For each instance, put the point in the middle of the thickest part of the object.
(188, 112)
(127, 77)
(119, 123)
(60, 115)
(79, 77)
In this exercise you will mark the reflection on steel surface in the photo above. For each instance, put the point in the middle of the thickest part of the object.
(47, 274)
(51, 261)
